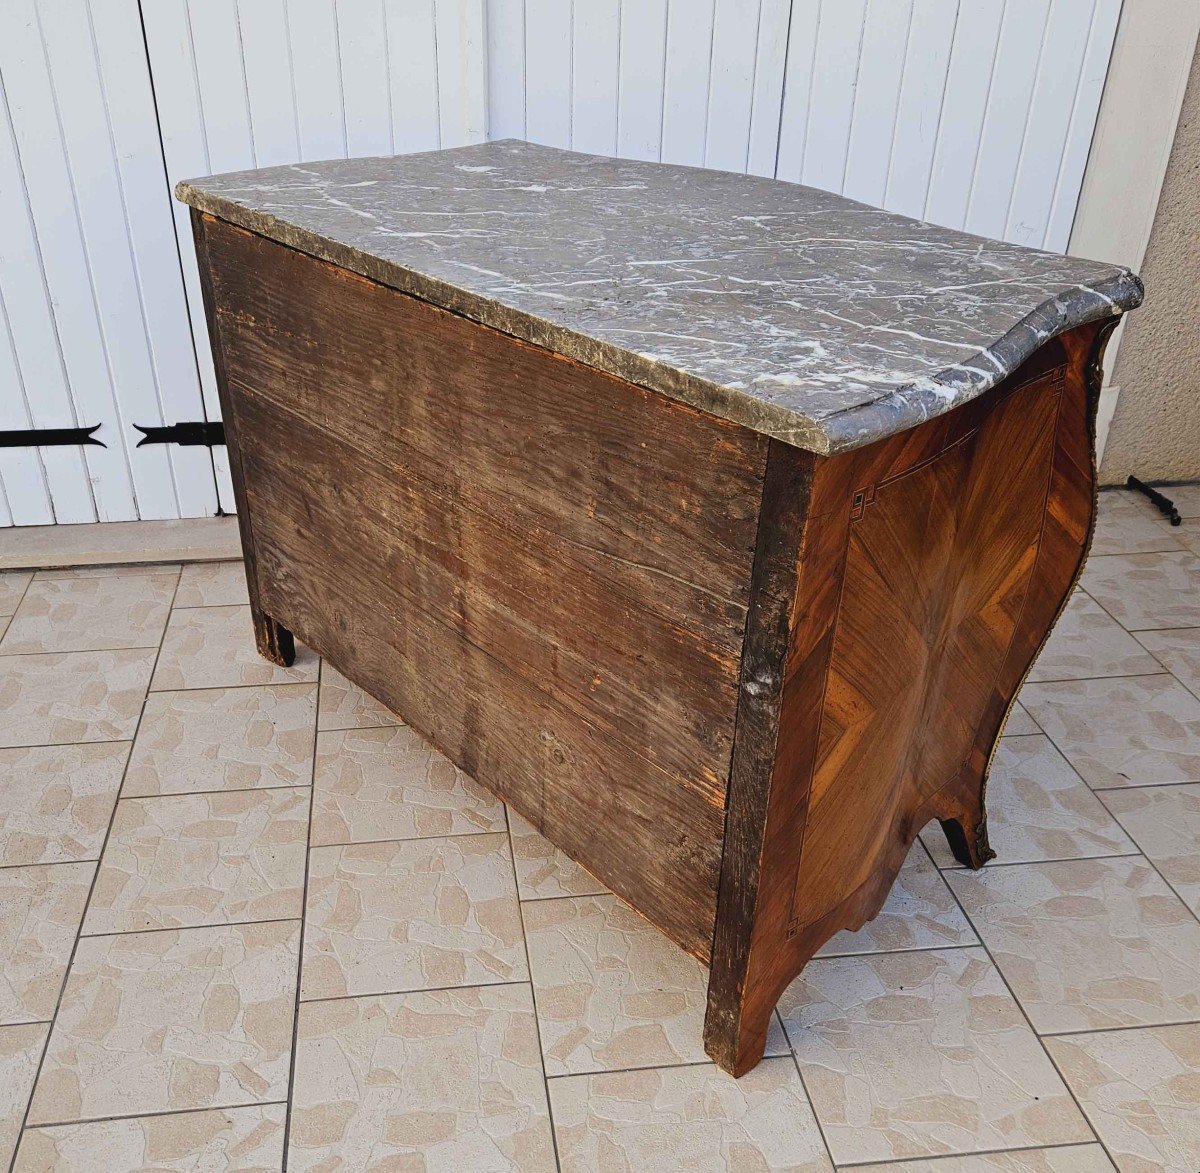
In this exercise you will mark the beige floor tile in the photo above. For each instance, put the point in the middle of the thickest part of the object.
(1165, 823)
(224, 739)
(113, 570)
(1087, 943)
(1020, 722)
(542, 870)
(345, 706)
(166, 1021)
(1076, 1158)
(612, 992)
(1125, 526)
(1038, 808)
(694, 1118)
(56, 800)
(1186, 498)
(12, 587)
(445, 1080)
(419, 914)
(1187, 534)
(1141, 1091)
(1143, 591)
(1087, 642)
(249, 1140)
(212, 584)
(90, 614)
(40, 911)
(920, 913)
(186, 860)
(213, 647)
(1126, 731)
(72, 696)
(20, 1050)
(390, 783)
(1179, 653)
(919, 1054)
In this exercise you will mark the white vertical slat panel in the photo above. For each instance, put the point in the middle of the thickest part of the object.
(47, 285)
(686, 82)
(643, 64)
(731, 84)
(25, 494)
(770, 61)
(1083, 122)
(184, 137)
(968, 87)
(506, 68)
(366, 89)
(797, 88)
(266, 54)
(877, 99)
(548, 71)
(918, 112)
(412, 57)
(595, 72)
(1022, 38)
(317, 67)
(831, 101)
(461, 43)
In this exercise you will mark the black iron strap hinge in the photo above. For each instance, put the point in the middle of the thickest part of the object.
(50, 437)
(192, 433)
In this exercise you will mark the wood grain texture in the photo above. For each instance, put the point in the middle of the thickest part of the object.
(548, 580)
(931, 567)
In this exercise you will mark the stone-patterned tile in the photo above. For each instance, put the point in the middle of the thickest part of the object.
(110, 570)
(920, 913)
(542, 870)
(56, 800)
(613, 992)
(213, 647)
(1164, 822)
(249, 1140)
(1187, 534)
(1126, 526)
(72, 696)
(419, 914)
(390, 783)
(1087, 642)
(1142, 591)
(1141, 1091)
(1020, 722)
(12, 587)
(919, 1054)
(1186, 498)
(224, 739)
(90, 614)
(447, 1080)
(1076, 1158)
(186, 860)
(212, 584)
(1178, 652)
(20, 1050)
(695, 1118)
(1038, 808)
(40, 911)
(166, 1021)
(1127, 731)
(345, 706)
(1087, 943)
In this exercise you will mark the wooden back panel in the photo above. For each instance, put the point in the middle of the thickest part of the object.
(543, 569)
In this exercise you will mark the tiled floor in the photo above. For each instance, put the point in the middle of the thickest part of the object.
(247, 916)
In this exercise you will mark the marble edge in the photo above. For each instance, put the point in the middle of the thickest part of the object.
(904, 407)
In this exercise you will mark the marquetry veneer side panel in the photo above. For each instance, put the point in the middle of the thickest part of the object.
(544, 569)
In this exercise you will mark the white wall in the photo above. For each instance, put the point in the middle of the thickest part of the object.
(972, 113)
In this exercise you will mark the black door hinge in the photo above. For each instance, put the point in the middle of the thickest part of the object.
(50, 437)
(1161, 502)
(192, 433)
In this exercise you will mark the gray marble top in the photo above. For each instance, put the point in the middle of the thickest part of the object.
(803, 315)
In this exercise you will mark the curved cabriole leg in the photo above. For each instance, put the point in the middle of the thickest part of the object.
(968, 840)
(274, 641)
